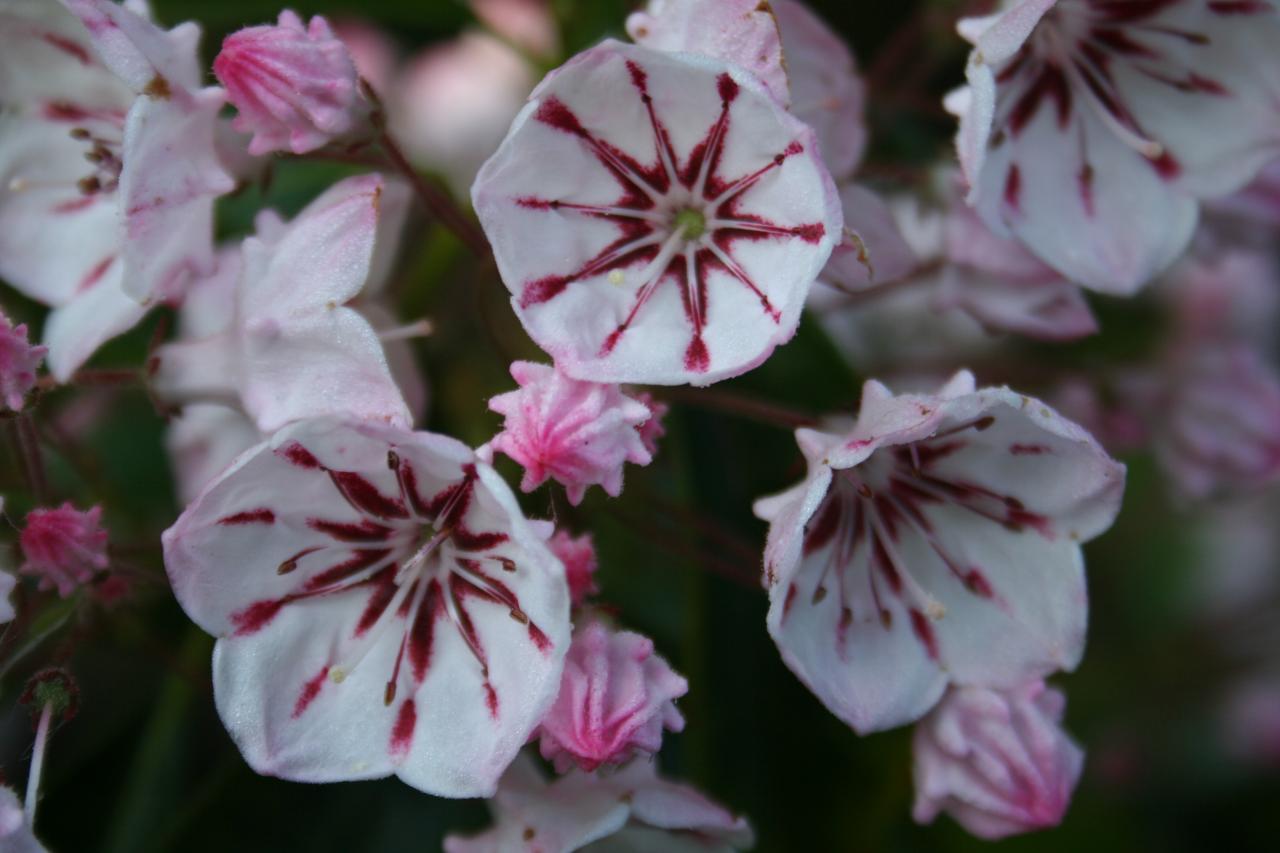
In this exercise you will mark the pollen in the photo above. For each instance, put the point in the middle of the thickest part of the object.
(691, 223)
(616, 277)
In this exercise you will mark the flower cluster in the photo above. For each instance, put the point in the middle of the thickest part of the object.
(662, 212)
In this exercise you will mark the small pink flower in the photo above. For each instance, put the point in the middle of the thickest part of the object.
(18, 363)
(996, 760)
(577, 433)
(294, 85)
(652, 429)
(616, 696)
(63, 546)
(578, 553)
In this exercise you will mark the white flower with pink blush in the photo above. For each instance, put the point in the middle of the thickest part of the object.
(1090, 130)
(935, 540)
(616, 696)
(630, 809)
(97, 217)
(297, 344)
(578, 433)
(294, 84)
(658, 218)
(381, 606)
(996, 760)
(19, 361)
(64, 547)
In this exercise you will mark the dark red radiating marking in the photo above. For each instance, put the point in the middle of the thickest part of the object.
(1029, 449)
(251, 516)
(310, 691)
(361, 559)
(68, 46)
(364, 530)
(384, 590)
(554, 113)
(491, 700)
(611, 257)
(471, 541)
(95, 275)
(976, 582)
(296, 454)
(821, 532)
(540, 640)
(1166, 166)
(1084, 181)
(885, 565)
(1049, 85)
(923, 629)
(64, 111)
(696, 357)
(727, 89)
(1013, 187)
(789, 600)
(364, 496)
(422, 632)
(402, 731)
(256, 616)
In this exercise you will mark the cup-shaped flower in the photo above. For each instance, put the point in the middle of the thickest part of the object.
(578, 433)
(657, 217)
(381, 606)
(294, 84)
(578, 554)
(98, 217)
(63, 546)
(19, 360)
(996, 760)
(616, 696)
(1089, 130)
(631, 809)
(935, 540)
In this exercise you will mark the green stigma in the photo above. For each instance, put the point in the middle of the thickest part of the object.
(691, 223)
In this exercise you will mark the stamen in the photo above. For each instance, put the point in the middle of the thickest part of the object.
(417, 329)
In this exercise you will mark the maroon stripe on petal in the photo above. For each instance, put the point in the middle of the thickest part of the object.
(924, 632)
(402, 731)
(422, 633)
(296, 454)
(361, 559)
(346, 531)
(251, 516)
(364, 496)
(310, 691)
(256, 616)
(384, 590)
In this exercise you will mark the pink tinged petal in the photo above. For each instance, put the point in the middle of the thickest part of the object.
(139, 52)
(639, 299)
(167, 200)
(873, 251)
(64, 547)
(826, 91)
(579, 433)
(304, 352)
(19, 361)
(996, 761)
(616, 696)
(294, 85)
(937, 541)
(578, 554)
(390, 610)
(739, 32)
(74, 331)
(46, 55)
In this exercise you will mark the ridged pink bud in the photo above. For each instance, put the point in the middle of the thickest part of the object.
(616, 696)
(996, 760)
(64, 547)
(18, 363)
(295, 85)
(578, 553)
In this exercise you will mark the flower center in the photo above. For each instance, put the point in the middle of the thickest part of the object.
(689, 222)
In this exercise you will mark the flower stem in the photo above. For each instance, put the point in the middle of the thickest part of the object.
(438, 204)
(756, 410)
(37, 762)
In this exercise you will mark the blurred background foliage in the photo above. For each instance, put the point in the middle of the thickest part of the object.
(146, 766)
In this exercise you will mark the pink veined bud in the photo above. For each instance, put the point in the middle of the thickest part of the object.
(18, 363)
(996, 760)
(578, 553)
(578, 433)
(294, 85)
(64, 547)
(652, 429)
(616, 696)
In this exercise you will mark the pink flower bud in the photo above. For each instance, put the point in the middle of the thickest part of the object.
(652, 429)
(294, 85)
(63, 547)
(996, 760)
(18, 363)
(578, 433)
(578, 553)
(615, 698)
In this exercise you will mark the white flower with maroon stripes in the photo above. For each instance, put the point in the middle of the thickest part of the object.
(936, 540)
(99, 240)
(381, 604)
(1090, 128)
(658, 217)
